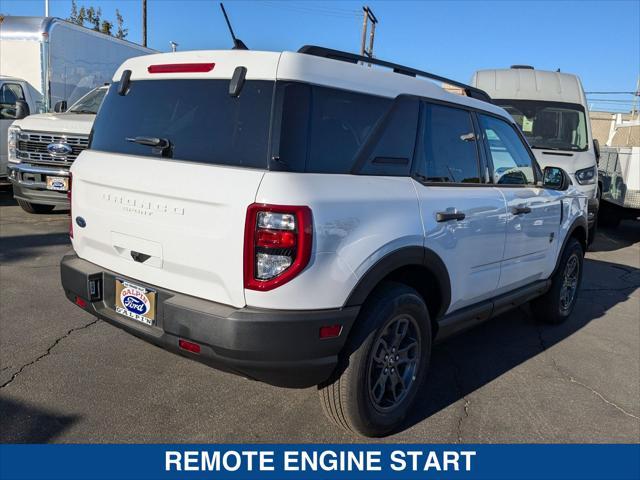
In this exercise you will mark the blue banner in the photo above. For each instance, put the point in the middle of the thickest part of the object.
(282, 461)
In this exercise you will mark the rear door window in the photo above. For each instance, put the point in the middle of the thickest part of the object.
(448, 151)
(198, 117)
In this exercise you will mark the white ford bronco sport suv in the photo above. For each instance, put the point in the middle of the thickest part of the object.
(302, 219)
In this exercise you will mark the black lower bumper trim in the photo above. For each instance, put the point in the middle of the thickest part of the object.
(279, 347)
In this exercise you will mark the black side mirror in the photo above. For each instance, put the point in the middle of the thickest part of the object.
(596, 149)
(555, 178)
(22, 109)
(60, 106)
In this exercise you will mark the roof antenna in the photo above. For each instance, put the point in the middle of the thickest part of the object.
(237, 43)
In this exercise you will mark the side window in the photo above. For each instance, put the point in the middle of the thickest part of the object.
(512, 164)
(9, 94)
(390, 149)
(323, 129)
(448, 152)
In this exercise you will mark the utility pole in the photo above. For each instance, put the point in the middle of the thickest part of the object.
(144, 23)
(368, 17)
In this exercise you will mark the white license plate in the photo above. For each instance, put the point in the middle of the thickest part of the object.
(136, 302)
(60, 184)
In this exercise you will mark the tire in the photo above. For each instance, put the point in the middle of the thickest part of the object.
(557, 304)
(365, 394)
(35, 207)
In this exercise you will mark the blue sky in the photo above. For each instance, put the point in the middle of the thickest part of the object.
(598, 40)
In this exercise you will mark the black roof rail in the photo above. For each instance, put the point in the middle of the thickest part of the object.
(470, 91)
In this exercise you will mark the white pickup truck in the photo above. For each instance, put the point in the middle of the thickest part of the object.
(42, 148)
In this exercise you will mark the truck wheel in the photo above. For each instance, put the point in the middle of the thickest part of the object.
(385, 362)
(35, 207)
(556, 305)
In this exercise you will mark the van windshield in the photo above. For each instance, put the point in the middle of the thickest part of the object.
(549, 125)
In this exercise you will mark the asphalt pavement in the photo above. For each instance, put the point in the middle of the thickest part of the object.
(66, 377)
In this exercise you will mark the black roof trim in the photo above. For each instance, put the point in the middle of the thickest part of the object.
(470, 91)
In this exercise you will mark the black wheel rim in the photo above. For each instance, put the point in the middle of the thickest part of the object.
(569, 283)
(394, 362)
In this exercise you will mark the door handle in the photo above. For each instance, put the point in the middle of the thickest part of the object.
(446, 216)
(520, 210)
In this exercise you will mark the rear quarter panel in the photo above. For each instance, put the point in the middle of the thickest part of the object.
(357, 220)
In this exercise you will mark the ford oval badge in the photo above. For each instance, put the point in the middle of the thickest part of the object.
(81, 222)
(59, 148)
(135, 304)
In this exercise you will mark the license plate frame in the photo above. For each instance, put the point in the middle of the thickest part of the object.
(135, 301)
(58, 184)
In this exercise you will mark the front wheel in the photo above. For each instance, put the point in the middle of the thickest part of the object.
(384, 364)
(35, 207)
(556, 305)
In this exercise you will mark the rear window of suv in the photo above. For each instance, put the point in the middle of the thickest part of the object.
(199, 117)
(285, 126)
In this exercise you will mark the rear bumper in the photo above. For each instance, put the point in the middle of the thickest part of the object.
(30, 184)
(281, 348)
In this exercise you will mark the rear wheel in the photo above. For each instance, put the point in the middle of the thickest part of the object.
(556, 305)
(35, 207)
(384, 363)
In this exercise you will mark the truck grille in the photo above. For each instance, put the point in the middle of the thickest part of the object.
(32, 147)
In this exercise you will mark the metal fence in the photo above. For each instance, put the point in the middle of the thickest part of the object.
(619, 173)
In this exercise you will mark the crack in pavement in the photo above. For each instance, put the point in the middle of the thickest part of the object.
(467, 402)
(47, 352)
(572, 379)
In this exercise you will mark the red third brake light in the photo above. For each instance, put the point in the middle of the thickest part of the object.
(277, 244)
(181, 67)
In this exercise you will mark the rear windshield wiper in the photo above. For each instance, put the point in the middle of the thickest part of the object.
(160, 145)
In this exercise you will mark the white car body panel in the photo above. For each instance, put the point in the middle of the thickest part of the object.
(192, 213)
(357, 220)
(471, 249)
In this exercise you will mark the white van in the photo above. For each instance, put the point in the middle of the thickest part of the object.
(551, 109)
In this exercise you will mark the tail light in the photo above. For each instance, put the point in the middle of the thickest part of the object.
(70, 208)
(277, 244)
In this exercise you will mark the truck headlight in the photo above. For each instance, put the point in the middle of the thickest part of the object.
(12, 143)
(587, 176)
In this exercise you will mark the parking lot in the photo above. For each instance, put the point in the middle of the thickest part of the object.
(66, 377)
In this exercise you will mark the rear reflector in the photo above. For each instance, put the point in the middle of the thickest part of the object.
(81, 302)
(189, 346)
(330, 331)
(181, 67)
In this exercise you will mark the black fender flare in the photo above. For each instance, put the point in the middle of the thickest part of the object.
(403, 257)
(579, 222)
